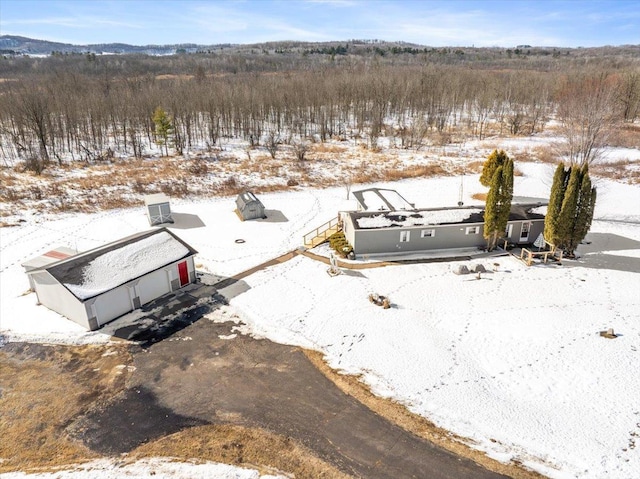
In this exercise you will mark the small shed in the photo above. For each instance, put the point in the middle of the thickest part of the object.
(158, 209)
(249, 207)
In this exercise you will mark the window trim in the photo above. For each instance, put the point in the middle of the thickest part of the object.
(405, 236)
(430, 233)
(472, 230)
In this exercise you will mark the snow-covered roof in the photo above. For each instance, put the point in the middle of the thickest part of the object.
(92, 273)
(156, 199)
(435, 217)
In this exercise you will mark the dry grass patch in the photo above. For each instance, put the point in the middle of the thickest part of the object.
(326, 148)
(626, 171)
(247, 447)
(421, 427)
(479, 196)
(44, 389)
(626, 136)
(415, 171)
(473, 167)
(545, 154)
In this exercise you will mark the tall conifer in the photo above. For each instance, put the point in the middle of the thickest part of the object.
(498, 204)
(491, 164)
(571, 206)
(558, 188)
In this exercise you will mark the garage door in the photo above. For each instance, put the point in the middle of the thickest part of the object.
(152, 286)
(113, 304)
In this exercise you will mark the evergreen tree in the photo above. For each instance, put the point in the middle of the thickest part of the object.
(164, 128)
(566, 226)
(566, 218)
(584, 210)
(495, 159)
(558, 188)
(498, 204)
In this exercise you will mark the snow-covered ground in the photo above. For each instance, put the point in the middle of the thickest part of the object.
(156, 468)
(512, 361)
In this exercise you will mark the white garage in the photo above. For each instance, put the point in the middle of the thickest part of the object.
(97, 286)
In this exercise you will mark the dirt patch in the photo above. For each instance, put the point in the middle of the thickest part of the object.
(241, 446)
(421, 427)
(130, 420)
(44, 388)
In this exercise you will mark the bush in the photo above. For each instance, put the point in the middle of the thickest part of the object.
(340, 245)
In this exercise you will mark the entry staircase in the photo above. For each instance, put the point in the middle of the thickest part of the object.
(322, 233)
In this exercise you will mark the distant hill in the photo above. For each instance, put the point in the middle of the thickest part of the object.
(11, 44)
(17, 45)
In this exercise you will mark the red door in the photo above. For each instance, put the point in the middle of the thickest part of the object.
(184, 273)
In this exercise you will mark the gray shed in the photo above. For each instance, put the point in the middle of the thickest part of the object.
(158, 209)
(249, 207)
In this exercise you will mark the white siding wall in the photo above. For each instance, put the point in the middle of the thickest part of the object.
(55, 296)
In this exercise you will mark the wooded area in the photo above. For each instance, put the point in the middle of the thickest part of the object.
(97, 107)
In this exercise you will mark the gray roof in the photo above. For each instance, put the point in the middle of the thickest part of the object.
(70, 270)
(433, 217)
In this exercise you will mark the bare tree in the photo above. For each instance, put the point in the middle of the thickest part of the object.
(628, 96)
(272, 143)
(300, 149)
(585, 110)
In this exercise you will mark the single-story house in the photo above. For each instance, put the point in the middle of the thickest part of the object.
(98, 286)
(249, 207)
(389, 232)
(381, 199)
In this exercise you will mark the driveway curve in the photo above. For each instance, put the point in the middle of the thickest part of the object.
(208, 374)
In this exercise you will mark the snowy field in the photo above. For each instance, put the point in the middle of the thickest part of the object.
(512, 361)
(155, 468)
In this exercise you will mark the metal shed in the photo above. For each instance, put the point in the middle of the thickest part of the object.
(249, 207)
(158, 209)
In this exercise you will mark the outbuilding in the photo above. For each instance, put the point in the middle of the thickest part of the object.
(249, 207)
(158, 209)
(100, 285)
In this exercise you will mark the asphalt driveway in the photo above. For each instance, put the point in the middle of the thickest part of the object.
(205, 373)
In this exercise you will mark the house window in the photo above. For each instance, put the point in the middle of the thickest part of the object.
(473, 230)
(524, 233)
(509, 230)
(404, 236)
(427, 233)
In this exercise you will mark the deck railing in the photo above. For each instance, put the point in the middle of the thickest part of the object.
(321, 233)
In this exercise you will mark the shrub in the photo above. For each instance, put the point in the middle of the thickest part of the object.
(339, 244)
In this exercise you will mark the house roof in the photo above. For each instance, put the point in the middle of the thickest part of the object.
(381, 199)
(435, 216)
(94, 272)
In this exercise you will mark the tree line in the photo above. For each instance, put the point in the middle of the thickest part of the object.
(60, 111)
